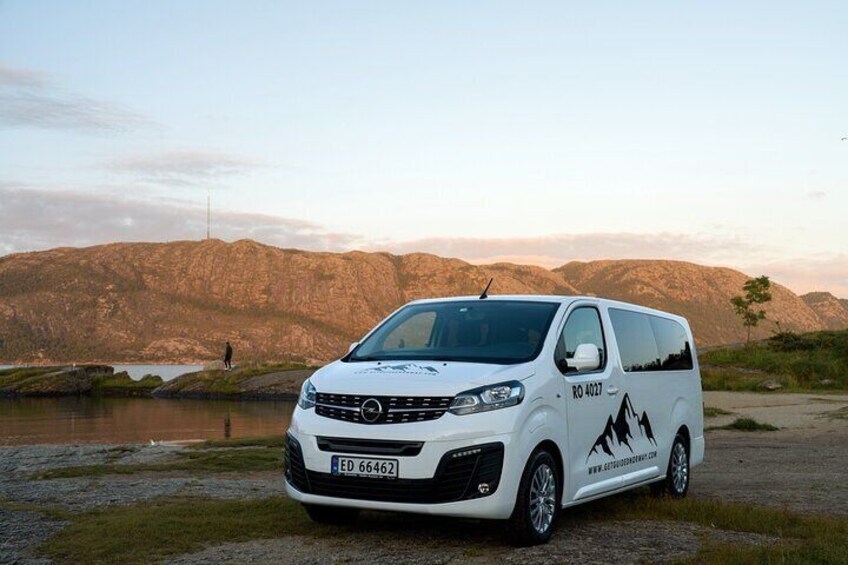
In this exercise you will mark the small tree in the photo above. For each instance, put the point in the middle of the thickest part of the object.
(756, 292)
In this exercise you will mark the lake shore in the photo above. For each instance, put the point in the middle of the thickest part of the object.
(249, 382)
(224, 501)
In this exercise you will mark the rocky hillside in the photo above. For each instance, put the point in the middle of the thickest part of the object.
(832, 311)
(180, 301)
(699, 293)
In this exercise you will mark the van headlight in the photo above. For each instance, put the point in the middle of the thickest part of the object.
(487, 398)
(306, 400)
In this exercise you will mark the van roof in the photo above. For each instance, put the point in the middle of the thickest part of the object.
(555, 298)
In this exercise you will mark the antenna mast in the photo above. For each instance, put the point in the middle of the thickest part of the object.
(208, 212)
(485, 294)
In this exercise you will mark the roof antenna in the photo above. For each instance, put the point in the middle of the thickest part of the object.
(485, 294)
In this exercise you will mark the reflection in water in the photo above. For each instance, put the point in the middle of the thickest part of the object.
(135, 420)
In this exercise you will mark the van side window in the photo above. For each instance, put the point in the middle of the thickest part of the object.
(673, 346)
(583, 326)
(650, 343)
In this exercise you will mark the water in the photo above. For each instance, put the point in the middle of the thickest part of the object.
(167, 372)
(135, 420)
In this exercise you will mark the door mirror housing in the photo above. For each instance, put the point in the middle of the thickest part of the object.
(586, 358)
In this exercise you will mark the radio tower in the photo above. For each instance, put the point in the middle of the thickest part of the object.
(208, 212)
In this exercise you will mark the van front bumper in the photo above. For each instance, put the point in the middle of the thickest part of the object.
(472, 478)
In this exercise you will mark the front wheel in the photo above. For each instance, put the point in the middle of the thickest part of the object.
(334, 515)
(676, 482)
(537, 503)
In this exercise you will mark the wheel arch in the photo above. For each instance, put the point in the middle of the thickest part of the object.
(551, 447)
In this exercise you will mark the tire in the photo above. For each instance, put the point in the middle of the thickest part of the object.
(676, 482)
(333, 515)
(537, 503)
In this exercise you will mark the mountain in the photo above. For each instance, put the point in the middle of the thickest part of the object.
(699, 293)
(180, 301)
(832, 311)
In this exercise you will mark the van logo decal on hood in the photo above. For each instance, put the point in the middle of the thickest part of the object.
(408, 368)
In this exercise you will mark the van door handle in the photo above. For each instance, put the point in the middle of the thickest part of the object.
(612, 390)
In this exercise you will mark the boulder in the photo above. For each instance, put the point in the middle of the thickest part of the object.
(770, 385)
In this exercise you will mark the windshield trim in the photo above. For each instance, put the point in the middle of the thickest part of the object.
(350, 357)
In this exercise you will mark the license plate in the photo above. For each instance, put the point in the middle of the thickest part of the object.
(364, 467)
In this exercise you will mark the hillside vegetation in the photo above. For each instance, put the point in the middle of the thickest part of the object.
(810, 361)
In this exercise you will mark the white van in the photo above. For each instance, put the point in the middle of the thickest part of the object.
(506, 407)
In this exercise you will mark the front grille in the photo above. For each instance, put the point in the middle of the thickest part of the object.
(457, 476)
(370, 446)
(395, 409)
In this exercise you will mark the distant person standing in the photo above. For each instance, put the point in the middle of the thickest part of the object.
(228, 357)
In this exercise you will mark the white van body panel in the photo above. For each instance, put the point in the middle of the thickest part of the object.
(570, 414)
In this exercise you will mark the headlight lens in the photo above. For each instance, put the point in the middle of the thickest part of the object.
(306, 400)
(487, 398)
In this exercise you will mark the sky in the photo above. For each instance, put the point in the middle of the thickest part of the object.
(533, 132)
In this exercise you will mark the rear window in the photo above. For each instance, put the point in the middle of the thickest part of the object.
(650, 343)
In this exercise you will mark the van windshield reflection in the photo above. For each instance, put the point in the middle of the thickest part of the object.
(477, 331)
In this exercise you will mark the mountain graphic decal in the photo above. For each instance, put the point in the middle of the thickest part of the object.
(619, 432)
(408, 368)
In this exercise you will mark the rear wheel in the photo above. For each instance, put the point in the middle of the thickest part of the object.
(676, 482)
(537, 503)
(331, 514)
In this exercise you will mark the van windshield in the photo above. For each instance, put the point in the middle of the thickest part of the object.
(477, 331)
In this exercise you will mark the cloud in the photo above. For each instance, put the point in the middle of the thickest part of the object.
(826, 273)
(555, 250)
(42, 219)
(816, 195)
(182, 168)
(36, 219)
(29, 99)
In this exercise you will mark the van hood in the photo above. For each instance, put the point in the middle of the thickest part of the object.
(413, 378)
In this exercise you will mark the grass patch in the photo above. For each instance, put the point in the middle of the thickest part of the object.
(272, 441)
(841, 414)
(249, 459)
(223, 382)
(158, 529)
(746, 425)
(153, 530)
(800, 362)
(803, 538)
(49, 511)
(16, 375)
(714, 412)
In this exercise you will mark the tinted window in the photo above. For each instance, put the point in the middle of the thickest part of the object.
(583, 326)
(672, 344)
(650, 343)
(481, 331)
(636, 343)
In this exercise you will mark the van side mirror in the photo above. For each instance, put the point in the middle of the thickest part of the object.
(352, 346)
(586, 358)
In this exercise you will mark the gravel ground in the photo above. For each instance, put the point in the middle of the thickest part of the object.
(635, 542)
(801, 467)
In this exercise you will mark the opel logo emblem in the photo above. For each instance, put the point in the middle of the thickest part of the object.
(371, 410)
